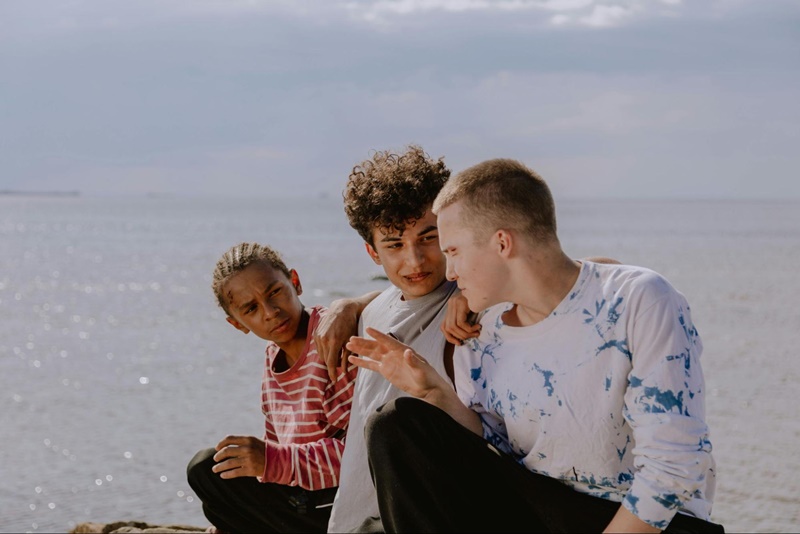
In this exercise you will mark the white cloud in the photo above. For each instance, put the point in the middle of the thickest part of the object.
(604, 16)
(591, 13)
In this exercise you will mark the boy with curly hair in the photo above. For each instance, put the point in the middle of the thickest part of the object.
(388, 201)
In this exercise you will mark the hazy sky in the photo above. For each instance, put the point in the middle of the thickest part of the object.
(605, 98)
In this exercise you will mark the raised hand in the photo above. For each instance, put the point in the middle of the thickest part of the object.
(240, 456)
(398, 364)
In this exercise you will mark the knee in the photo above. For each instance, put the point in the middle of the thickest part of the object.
(395, 421)
(199, 468)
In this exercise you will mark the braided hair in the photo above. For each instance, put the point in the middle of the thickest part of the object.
(239, 257)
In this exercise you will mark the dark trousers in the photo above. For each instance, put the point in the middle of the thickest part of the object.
(246, 505)
(433, 475)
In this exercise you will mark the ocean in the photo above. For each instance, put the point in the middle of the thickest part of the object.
(116, 365)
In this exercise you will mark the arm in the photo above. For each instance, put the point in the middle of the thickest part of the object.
(314, 463)
(410, 372)
(664, 405)
(336, 327)
(624, 521)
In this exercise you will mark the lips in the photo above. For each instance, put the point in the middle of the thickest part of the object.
(417, 277)
(281, 328)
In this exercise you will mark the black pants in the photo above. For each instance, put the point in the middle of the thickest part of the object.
(246, 505)
(433, 475)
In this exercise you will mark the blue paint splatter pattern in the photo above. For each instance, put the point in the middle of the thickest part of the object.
(605, 394)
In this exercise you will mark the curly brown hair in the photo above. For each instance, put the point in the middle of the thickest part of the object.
(389, 190)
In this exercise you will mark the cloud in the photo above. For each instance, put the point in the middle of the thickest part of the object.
(590, 13)
(210, 95)
(605, 16)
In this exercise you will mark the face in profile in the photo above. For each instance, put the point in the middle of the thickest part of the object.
(471, 262)
(412, 259)
(263, 300)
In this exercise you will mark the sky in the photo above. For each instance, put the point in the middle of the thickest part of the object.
(689, 99)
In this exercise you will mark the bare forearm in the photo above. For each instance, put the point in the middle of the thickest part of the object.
(446, 399)
(361, 302)
(624, 521)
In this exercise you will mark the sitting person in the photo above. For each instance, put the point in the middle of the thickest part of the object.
(388, 202)
(286, 481)
(579, 408)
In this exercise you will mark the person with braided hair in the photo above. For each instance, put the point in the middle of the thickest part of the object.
(286, 481)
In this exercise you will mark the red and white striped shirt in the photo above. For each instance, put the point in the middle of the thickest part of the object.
(306, 417)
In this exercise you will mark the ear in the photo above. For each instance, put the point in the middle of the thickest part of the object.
(372, 254)
(237, 325)
(504, 242)
(296, 282)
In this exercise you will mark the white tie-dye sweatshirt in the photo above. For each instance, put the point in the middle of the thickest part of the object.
(606, 394)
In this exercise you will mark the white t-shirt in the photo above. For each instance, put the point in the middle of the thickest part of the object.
(605, 394)
(416, 323)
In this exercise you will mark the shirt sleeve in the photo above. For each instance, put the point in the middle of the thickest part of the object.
(664, 405)
(470, 388)
(315, 465)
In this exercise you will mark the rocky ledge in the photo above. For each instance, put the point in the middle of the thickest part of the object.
(124, 527)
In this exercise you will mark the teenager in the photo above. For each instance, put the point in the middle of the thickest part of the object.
(286, 481)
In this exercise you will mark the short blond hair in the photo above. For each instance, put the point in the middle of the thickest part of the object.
(502, 193)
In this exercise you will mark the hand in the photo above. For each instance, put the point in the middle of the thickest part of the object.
(333, 331)
(240, 456)
(409, 371)
(457, 325)
(398, 364)
(624, 521)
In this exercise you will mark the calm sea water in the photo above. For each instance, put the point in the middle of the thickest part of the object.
(116, 365)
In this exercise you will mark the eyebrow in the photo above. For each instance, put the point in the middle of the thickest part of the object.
(427, 230)
(245, 305)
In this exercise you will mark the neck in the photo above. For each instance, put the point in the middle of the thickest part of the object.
(544, 280)
(293, 349)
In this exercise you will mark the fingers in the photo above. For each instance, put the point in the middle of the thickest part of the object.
(332, 364)
(385, 339)
(365, 363)
(239, 456)
(459, 320)
(368, 348)
(238, 441)
(327, 349)
(333, 331)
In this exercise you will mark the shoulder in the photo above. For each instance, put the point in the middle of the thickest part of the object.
(635, 284)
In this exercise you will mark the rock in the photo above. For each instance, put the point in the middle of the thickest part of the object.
(124, 527)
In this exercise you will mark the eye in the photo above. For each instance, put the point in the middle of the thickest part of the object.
(395, 246)
(250, 309)
(274, 292)
(429, 238)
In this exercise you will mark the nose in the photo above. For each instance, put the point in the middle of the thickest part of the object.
(415, 257)
(451, 271)
(270, 311)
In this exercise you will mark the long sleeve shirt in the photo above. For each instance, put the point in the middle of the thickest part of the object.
(606, 394)
(306, 417)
